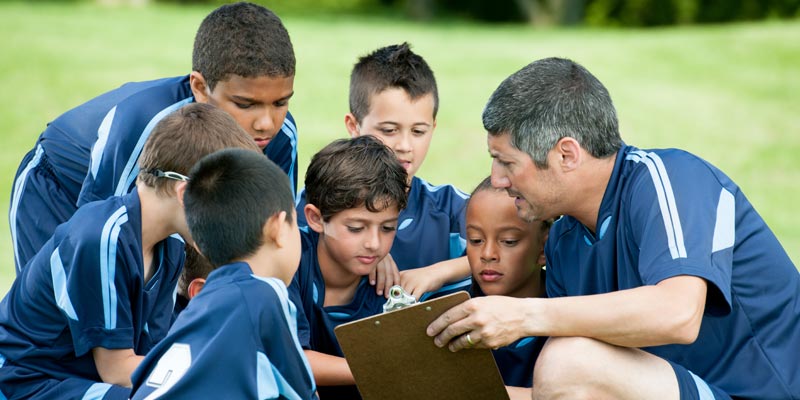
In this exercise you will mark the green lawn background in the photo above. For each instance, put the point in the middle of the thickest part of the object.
(730, 94)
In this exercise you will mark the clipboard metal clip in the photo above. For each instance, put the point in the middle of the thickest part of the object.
(398, 298)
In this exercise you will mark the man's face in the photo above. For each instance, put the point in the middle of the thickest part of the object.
(536, 191)
(258, 104)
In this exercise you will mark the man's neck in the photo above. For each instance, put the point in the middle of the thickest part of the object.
(591, 187)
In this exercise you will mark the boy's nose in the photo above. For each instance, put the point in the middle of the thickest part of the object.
(264, 123)
(372, 241)
(489, 253)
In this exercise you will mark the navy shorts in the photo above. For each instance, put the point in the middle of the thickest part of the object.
(17, 382)
(38, 205)
(693, 387)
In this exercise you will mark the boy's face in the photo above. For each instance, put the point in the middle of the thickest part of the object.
(293, 249)
(353, 241)
(404, 125)
(504, 252)
(258, 104)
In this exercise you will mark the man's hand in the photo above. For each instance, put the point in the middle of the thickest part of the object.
(483, 322)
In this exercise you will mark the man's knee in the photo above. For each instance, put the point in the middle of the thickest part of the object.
(569, 367)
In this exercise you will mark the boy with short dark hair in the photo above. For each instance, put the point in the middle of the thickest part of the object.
(243, 62)
(355, 190)
(99, 294)
(393, 96)
(238, 337)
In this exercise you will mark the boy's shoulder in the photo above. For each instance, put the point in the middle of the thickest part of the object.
(443, 196)
(101, 221)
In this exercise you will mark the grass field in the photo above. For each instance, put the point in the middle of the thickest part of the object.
(730, 94)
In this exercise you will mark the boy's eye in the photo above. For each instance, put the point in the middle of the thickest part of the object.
(475, 242)
(387, 131)
(509, 242)
(419, 132)
(388, 228)
(281, 103)
(243, 106)
(355, 228)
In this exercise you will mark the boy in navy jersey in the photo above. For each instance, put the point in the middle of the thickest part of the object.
(237, 338)
(243, 62)
(393, 96)
(506, 256)
(355, 190)
(663, 281)
(99, 294)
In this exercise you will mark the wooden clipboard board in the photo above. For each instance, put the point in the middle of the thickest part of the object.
(392, 358)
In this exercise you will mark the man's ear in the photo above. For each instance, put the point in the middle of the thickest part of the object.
(569, 152)
(313, 218)
(180, 190)
(194, 287)
(199, 87)
(351, 124)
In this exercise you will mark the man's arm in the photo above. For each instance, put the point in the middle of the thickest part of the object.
(116, 366)
(666, 313)
(329, 370)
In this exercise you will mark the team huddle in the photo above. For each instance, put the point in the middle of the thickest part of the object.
(164, 247)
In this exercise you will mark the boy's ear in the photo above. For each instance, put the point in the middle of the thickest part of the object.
(313, 218)
(180, 190)
(194, 287)
(276, 230)
(199, 87)
(351, 124)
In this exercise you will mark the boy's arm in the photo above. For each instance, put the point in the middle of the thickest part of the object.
(385, 275)
(116, 366)
(329, 370)
(427, 279)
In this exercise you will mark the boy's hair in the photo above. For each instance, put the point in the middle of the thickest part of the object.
(486, 186)
(242, 39)
(195, 266)
(551, 99)
(230, 196)
(183, 137)
(394, 66)
(349, 173)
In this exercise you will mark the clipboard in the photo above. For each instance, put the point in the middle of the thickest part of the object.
(392, 358)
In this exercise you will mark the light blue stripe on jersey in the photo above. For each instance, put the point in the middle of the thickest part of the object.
(19, 186)
(457, 245)
(666, 200)
(299, 196)
(108, 264)
(96, 391)
(291, 131)
(290, 314)
(2, 362)
(270, 382)
(132, 167)
(725, 226)
(702, 387)
(59, 277)
(432, 188)
(102, 138)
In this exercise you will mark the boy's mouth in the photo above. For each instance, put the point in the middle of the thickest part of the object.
(406, 164)
(262, 142)
(490, 275)
(367, 259)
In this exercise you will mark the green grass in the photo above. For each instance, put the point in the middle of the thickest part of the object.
(730, 94)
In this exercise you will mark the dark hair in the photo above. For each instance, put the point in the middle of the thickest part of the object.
(230, 196)
(195, 266)
(394, 66)
(242, 39)
(551, 99)
(349, 173)
(183, 137)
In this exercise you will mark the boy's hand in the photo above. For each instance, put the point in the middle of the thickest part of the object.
(385, 275)
(419, 281)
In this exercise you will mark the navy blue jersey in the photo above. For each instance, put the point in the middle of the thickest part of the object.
(317, 322)
(515, 361)
(237, 339)
(430, 229)
(86, 289)
(91, 153)
(667, 213)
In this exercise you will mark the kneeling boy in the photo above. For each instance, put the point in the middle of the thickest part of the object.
(238, 337)
(355, 189)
